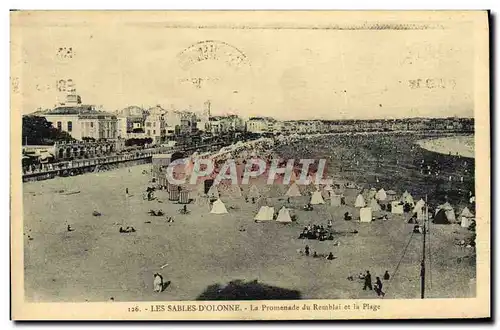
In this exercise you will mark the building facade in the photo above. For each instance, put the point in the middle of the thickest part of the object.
(82, 121)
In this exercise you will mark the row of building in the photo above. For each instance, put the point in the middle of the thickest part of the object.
(84, 122)
(263, 125)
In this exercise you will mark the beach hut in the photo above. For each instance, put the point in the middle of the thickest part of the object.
(284, 216)
(360, 201)
(365, 214)
(173, 194)
(409, 199)
(397, 207)
(293, 191)
(466, 217)
(375, 206)
(265, 213)
(316, 198)
(218, 207)
(381, 195)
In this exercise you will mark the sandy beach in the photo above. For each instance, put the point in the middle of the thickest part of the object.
(95, 262)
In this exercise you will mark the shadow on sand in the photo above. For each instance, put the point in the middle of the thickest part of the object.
(252, 290)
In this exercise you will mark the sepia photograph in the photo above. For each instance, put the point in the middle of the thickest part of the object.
(250, 165)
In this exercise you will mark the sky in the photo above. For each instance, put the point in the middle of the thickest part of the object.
(305, 70)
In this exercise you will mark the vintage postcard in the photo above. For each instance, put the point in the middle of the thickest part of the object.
(177, 165)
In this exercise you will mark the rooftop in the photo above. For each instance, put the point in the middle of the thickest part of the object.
(87, 110)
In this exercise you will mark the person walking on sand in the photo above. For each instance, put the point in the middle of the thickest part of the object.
(387, 276)
(307, 250)
(126, 191)
(368, 281)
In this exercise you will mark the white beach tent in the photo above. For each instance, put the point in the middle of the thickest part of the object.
(218, 207)
(381, 195)
(284, 216)
(409, 199)
(293, 191)
(419, 209)
(375, 206)
(404, 196)
(466, 217)
(265, 213)
(316, 198)
(365, 214)
(360, 201)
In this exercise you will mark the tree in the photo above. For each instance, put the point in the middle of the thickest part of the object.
(38, 131)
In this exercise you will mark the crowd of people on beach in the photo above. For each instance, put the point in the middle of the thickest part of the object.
(317, 232)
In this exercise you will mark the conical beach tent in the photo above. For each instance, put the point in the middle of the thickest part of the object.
(293, 191)
(284, 216)
(381, 195)
(419, 209)
(218, 207)
(316, 198)
(360, 201)
(409, 199)
(374, 205)
(265, 213)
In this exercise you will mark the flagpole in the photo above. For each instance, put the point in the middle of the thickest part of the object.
(422, 264)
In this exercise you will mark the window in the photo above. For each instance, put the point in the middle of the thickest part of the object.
(149, 132)
(154, 124)
(148, 124)
(154, 132)
(70, 126)
(59, 125)
(91, 124)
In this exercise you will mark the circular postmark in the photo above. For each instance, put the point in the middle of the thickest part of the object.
(212, 50)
